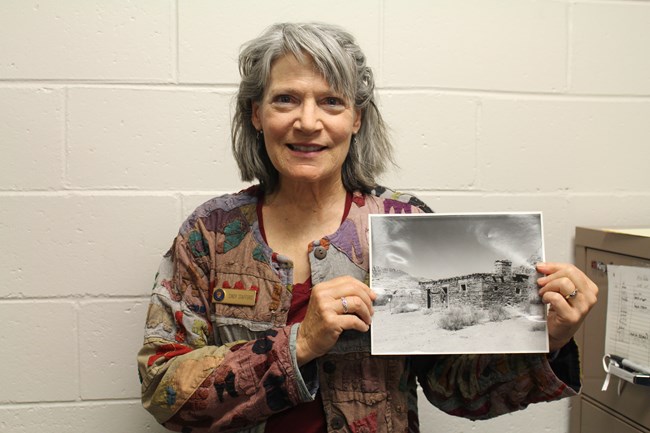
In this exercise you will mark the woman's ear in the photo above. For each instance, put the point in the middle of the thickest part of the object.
(255, 116)
(356, 125)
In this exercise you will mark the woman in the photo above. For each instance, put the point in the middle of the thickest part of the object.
(259, 315)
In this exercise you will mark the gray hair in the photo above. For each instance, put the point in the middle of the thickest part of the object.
(339, 59)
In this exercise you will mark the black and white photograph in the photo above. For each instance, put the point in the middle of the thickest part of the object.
(457, 283)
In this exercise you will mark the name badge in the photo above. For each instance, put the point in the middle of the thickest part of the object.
(234, 297)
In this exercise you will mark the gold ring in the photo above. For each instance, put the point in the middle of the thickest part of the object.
(572, 294)
(345, 304)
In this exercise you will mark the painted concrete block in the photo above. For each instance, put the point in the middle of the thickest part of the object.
(40, 353)
(76, 245)
(211, 33)
(110, 335)
(32, 143)
(434, 136)
(89, 40)
(496, 45)
(610, 43)
(149, 139)
(564, 145)
(104, 417)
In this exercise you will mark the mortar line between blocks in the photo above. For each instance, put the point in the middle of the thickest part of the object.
(477, 139)
(78, 348)
(67, 404)
(231, 88)
(175, 42)
(569, 45)
(66, 135)
(76, 299)
(382, 30)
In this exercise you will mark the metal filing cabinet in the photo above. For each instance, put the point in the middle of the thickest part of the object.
(597, 411)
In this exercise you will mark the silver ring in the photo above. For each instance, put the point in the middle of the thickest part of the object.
(345, 304)
(572, 294)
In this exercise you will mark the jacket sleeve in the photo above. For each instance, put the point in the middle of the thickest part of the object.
(566, 365)
(189, 380)
(485, 386)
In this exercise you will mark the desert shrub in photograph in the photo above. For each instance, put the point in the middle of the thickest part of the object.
(404, 307)
(538, 326)
(383, 298)
(459, 317)
(498, 312)
(535, 306)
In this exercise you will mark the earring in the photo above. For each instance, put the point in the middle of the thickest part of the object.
(354, 139)
(260, 137)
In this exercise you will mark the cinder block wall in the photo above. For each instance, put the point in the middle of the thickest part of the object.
(114, 125)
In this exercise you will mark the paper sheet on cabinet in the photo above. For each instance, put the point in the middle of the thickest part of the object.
(634, 232)
(628, 313)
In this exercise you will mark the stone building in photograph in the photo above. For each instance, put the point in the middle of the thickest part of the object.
(481, 290)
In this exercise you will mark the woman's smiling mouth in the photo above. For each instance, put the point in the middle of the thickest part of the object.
(306, 147)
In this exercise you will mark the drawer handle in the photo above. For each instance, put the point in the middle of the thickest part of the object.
(599, 266)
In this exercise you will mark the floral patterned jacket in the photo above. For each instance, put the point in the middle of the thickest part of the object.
(218, 367)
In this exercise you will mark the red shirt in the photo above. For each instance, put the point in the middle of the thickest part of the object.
(306, 417)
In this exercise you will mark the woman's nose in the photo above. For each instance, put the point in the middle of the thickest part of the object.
(309, 117)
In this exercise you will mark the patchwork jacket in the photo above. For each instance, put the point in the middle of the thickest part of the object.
(217, 367)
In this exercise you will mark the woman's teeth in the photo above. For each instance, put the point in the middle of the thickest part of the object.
(305, 148)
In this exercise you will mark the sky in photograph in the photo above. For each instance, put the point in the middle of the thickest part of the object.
(441, 246)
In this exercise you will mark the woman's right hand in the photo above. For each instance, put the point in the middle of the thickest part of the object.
(326, 317)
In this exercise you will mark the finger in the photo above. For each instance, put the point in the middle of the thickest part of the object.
(564, 286)
(361, 302)
(355, 306)
(564, 311)
(351, 291)
(355, 286)
(554, 271)
(563, 320)
(583, 284)
(572, 297)
(571, 309)
(352, 304)
(550, 267)
(352, 321)
(344, 286)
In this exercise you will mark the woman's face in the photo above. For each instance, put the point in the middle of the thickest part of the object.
(307, 126)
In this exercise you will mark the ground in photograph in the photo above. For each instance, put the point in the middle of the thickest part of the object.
(418, 332)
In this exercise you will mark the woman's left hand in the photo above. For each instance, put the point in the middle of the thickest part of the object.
(570, 294)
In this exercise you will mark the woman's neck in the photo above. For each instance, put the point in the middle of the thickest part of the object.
(293, 217)
(307, 199)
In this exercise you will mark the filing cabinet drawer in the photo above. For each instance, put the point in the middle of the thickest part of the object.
(597, 420)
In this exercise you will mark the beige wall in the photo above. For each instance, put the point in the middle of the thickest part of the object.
(114, 124)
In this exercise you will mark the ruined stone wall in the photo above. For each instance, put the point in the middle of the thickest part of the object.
(505, 290)
(477, 290)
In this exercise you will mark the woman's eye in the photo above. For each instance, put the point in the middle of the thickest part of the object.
(284, 99)
(333, 101)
